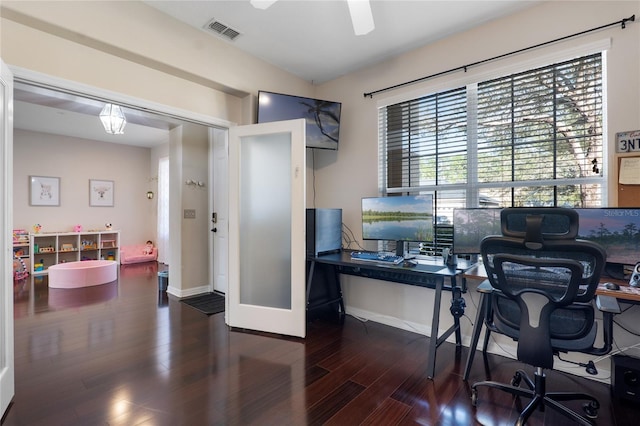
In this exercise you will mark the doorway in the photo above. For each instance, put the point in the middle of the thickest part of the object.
(38, 94)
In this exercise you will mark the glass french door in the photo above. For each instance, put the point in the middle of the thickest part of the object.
(266, 228)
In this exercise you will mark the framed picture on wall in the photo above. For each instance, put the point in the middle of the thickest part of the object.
(100, 193)
(44, 191)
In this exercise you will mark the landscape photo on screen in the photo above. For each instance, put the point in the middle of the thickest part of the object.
(402, 218)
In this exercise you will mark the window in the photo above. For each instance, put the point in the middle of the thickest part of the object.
(527, 139)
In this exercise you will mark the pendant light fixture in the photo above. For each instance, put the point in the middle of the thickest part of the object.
(113, 119)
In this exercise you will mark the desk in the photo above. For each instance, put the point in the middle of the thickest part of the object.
(430, 272)
(625, 294)
(605, 303)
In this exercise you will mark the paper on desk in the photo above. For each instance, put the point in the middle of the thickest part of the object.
(629, 171)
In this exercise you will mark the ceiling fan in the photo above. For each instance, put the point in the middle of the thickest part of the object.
(360, 11)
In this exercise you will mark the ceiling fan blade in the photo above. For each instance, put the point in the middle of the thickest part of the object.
(262, 4)
(361, 16)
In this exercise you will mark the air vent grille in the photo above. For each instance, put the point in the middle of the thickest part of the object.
(222, 30)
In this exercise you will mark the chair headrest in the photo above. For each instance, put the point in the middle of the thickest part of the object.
(537, 224)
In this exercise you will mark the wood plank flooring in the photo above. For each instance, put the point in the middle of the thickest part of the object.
(125, 354)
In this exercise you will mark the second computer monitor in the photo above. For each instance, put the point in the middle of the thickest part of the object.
(398, 218)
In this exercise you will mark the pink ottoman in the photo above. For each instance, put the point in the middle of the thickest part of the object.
(83, 273)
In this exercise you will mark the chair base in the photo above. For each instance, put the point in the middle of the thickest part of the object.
(540, 398)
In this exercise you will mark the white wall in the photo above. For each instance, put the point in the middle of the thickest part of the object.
(75, 161)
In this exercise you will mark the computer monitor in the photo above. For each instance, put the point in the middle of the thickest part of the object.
(471, 225)
(398, 218)
(617, 230)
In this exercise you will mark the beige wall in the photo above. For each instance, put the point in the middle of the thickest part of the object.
(340, 184)
(152, 57)
(195, 249)
(75, 161)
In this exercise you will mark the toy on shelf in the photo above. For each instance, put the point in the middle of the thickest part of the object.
(108, 226)
(49, 249)
(108, 243)
(37, 228)
(88, 245)
(19, 269)
(20, 236)
(77, 228)
(67, 247)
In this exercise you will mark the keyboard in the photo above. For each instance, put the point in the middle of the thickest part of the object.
(376, 257)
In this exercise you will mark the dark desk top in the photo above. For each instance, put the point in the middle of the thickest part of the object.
(424, 264)
(626, 292)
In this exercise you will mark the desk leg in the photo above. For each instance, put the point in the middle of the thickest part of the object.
(435, 323)
(312, 267)
(477, 328)
(457, 295)
(342, 314)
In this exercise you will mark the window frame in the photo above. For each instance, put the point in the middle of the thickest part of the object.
(471, 83)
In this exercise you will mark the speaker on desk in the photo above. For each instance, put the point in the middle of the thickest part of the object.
(324, 231)
(625, 377)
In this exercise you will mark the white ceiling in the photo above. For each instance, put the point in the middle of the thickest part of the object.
(312, 39)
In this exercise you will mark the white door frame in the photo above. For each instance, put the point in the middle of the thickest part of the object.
(7, 366)
(92, 92)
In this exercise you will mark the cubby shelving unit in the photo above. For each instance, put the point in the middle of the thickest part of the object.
(51, 248)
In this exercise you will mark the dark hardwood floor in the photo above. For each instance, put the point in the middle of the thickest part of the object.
(125, 354)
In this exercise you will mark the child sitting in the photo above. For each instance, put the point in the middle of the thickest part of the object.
(148, 248)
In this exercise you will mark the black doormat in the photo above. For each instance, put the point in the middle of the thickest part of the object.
(210, 303)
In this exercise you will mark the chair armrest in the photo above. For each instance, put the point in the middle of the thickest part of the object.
(607, 304)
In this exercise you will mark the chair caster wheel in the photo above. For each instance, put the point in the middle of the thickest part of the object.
(591, 409)
(474, 397)
(517, 377)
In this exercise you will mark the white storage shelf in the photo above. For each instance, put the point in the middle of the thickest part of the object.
(49, 249)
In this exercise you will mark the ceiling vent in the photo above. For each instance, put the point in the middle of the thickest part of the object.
(222, 30)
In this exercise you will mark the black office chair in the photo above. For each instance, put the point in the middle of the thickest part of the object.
(543, 285)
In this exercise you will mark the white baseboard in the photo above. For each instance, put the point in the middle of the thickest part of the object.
(178, 292)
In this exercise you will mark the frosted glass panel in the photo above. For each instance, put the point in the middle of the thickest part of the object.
(265, 220)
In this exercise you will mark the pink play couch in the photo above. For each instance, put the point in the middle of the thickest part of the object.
(135, 254)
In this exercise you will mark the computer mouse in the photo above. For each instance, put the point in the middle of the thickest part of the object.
(409, 264)
(611, 286)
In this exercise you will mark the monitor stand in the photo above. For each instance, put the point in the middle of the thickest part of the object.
(400, 248)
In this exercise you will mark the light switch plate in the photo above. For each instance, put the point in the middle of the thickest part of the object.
(189, 214)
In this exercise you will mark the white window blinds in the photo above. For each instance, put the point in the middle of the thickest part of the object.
(533, 138)
(527, 139)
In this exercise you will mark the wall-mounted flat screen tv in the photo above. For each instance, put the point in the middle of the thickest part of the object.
(322, 117)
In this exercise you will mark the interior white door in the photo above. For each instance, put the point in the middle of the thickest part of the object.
(266, 228)
(7, 385)
(220, 211)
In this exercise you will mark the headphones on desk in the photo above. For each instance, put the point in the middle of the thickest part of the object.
(634, 281)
